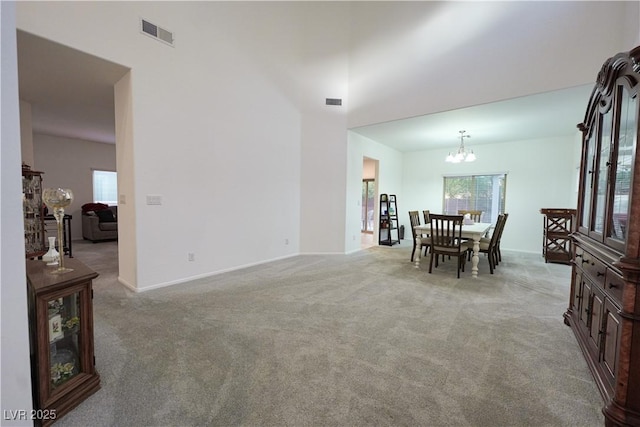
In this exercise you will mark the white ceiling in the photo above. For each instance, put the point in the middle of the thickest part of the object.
(537, 116)
(71, 95)
(70, 92)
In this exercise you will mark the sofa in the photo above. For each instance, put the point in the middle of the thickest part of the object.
(99, 222)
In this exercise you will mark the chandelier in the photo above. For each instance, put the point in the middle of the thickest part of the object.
(461, 155)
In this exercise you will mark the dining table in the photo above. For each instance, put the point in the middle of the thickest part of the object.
(473, 231)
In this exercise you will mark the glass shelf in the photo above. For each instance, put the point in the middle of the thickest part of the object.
(624, 165)
(64, 338)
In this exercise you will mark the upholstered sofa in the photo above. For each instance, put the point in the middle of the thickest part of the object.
(99, 222)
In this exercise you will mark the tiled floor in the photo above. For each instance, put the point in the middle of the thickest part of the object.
(367, 240)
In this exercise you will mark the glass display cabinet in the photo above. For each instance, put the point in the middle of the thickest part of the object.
(61, 332)
(604, 309)
(32, 207)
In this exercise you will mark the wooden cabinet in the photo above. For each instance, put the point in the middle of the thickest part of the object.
(556, 244)
(388, 231)
(32, 207)
(604, 305)
(61, 337)
(597, 316)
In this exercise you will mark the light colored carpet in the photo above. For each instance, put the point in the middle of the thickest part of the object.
(355, 340)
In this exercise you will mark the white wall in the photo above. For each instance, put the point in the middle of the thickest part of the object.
(69, 163)
(322, 201)
(631, 25)
(541, 173)
(323, 169)
(221, 126)
(125, 156)
(406, 62)
(16, 368)
(26, 134)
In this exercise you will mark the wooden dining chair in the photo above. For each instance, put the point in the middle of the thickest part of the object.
(489, 246)
(446, 239)
(419, 241)
(506, 215)
(476, 216)
(425, 215)
(473, 214)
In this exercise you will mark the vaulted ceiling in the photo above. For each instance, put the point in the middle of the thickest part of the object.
(71, 95)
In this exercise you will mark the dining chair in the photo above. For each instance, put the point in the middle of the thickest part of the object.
(506, 215)
(425, 215)
(476, 216)
(419, 241)
(489, 246)
(446, 239)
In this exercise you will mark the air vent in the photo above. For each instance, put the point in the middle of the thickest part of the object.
(334, 101)
(156, 32)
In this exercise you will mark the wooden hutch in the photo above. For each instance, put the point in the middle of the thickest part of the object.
(604, 306)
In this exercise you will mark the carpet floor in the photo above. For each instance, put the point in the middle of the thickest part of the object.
(339, 340)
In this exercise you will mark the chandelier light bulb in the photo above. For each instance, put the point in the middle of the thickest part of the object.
(470, 157)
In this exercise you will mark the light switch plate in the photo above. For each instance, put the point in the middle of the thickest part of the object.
(154, 199)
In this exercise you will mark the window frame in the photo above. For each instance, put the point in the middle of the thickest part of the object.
(502, 194)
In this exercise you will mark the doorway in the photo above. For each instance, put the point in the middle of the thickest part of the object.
(368, 203)
(77, 101)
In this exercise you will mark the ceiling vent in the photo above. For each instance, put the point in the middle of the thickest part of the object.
(158, 33)
(334, 101)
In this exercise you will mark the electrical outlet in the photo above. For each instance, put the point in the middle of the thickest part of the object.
(191, 256)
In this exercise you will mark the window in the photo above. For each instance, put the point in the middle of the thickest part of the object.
(105, 187)
(485, 193)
